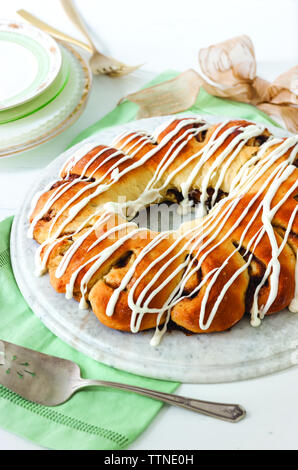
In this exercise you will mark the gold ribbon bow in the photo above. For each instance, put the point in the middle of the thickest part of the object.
(227, 70)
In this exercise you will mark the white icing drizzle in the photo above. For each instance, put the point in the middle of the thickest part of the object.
(197, 242)
(97, 184)
(76, 157)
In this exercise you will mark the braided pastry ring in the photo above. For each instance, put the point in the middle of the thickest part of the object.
(241, 256)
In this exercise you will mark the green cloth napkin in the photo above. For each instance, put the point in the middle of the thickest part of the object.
(96, 418)
(93, 418)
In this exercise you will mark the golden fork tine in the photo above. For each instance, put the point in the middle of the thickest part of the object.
(97, 57)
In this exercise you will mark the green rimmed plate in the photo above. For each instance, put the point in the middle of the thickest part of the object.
(30, 61)
(59, 114)
(18, 112)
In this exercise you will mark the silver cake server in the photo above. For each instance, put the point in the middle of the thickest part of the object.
(50, 381)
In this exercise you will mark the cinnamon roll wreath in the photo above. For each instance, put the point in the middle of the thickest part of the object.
(239, 257)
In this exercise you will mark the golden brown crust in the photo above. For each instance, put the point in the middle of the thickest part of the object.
(63, 221)
(231, 309)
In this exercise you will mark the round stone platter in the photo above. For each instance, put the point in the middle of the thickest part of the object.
(241, 353)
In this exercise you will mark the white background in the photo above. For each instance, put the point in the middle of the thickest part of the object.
(167, 34)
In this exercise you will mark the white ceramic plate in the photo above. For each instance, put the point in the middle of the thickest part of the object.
(30, 61)
(56, 116)
(51, 93)
(241, 353)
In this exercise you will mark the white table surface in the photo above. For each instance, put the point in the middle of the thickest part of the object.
(165, 35)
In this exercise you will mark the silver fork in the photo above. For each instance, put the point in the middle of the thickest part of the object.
(99, 63)
(50, 381)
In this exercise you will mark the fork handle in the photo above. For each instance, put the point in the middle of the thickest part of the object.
(52, 31)
(226, 412)
(75, 17)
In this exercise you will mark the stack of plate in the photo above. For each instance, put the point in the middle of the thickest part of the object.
(43, 87)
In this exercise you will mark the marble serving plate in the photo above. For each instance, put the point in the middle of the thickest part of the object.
(241, 353)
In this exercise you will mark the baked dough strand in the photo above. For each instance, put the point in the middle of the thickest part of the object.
(239, 256)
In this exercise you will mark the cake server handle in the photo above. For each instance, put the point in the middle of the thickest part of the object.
(227, 412)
